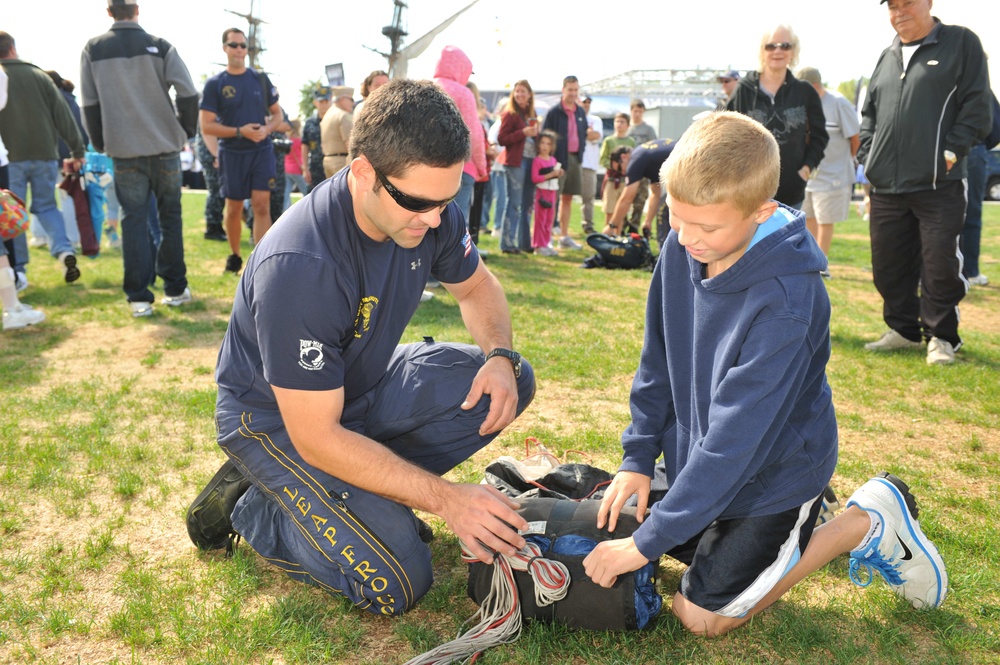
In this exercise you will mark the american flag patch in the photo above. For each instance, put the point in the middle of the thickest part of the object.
(467, 243)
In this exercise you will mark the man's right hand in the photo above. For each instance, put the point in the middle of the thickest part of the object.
(484, 519)
(254, 132)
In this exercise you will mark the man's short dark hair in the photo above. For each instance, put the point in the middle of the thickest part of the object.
(570, 79)
(6, 44)
(225, 35)
(637, 104)
(123, 12)
(404, 123)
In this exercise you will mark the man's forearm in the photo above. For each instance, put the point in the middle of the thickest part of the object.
(486, 315)
(652, 204)
(624, 205)
(367, 464)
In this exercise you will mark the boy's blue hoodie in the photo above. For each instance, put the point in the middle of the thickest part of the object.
(731, 387)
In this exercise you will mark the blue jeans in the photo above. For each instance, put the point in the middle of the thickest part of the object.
(973, 227)
(42, 175)
(135, 179)
(464, 198)
(292, 179)
(511, 212)
(527, 205)
(498, 181)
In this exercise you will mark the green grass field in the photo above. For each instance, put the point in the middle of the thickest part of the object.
(106, 435)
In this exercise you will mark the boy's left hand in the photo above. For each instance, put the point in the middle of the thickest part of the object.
(613, 558)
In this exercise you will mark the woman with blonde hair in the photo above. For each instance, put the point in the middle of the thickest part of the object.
(791, 109)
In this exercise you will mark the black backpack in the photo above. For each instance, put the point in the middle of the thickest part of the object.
(630, 252)
(631, 604)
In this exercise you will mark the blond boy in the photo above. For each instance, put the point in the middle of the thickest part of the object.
(731, 390)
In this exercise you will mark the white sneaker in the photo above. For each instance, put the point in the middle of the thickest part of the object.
(38, 241)
(940, 352)
(177, 301)
(425, 296)
(896, 548)
(546, 251)
(979, 280)
(21, 316)
(568, 243)
(20, 280)
(141, 308)
(892, 341)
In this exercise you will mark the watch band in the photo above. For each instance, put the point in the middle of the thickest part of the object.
(513, 356)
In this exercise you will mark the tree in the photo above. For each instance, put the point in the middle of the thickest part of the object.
(850, 89)
(306, 98)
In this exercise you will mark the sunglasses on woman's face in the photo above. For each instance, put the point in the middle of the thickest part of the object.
(411, 203)
(784, 46)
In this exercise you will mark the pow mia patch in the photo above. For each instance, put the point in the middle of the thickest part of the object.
(311, 355)
(228, 91)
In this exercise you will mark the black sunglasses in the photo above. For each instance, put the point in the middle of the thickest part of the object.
(784, 46)
(411, 203)
(236, 44)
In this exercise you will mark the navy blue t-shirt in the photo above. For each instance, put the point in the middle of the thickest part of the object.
(647, 159)
(322, 306)
(238, 100)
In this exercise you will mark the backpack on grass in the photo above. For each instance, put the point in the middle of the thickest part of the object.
(629, 252)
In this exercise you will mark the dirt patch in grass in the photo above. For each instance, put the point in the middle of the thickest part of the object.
(113, 355)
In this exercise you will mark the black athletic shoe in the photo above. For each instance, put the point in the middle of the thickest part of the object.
(70, 272)
(234, 264)
(209, 519)
(425, 531)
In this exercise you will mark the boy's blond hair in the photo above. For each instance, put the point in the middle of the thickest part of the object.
(723, 158)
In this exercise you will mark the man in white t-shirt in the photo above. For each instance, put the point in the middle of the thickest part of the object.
(828, 192)
(589, 163)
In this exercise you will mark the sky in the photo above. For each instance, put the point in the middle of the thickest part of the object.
(539, 40)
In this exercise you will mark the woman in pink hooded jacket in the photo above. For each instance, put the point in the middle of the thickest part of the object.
(452, 73)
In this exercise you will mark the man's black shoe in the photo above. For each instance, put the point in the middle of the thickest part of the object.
(234, 263)
(215, 232)
(424, 531)
(209, 519)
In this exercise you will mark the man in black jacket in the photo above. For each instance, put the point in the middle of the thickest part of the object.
(928, 104)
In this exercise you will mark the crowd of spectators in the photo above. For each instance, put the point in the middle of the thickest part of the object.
(251, 158)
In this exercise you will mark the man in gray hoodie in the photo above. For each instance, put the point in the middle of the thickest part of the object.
(126, 74)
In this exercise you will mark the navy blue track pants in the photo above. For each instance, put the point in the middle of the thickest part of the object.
(328, 533)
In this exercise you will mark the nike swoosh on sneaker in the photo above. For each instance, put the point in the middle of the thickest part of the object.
(907, 555)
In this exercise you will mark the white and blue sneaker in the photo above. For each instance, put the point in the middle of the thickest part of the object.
(895, 547)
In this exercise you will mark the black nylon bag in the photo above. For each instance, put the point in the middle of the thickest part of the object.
(566, 481)
(586, 604)
(630, 252)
